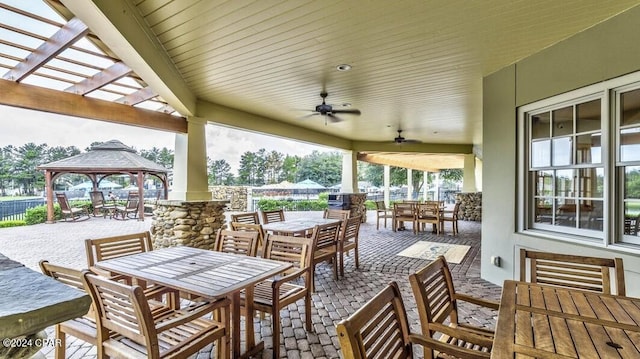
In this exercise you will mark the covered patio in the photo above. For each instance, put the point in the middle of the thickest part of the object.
(332, 301)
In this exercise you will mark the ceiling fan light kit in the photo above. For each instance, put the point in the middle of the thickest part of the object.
(328, 112)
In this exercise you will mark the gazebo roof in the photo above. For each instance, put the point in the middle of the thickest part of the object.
(110, 157)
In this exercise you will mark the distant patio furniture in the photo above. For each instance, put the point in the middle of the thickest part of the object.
(100, 205)
(247, 218)
(71, 213)
(341, 214)
(382, 212)
(130, 210)
(348, 241)
(404, 212)
(272, 216)
(451, 216)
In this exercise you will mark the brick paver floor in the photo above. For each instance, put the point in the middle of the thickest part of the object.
(62, 243)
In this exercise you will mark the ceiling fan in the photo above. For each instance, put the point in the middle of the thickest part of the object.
(401, 139)
(329, 112)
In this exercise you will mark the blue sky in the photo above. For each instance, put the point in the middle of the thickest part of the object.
(19, 126)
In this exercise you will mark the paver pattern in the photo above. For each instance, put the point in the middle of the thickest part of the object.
(63, 243)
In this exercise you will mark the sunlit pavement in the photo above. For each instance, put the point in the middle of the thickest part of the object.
(63, 243)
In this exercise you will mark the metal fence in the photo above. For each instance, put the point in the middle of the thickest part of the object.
(16, 209)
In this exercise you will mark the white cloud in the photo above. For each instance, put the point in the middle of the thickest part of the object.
(19, 126)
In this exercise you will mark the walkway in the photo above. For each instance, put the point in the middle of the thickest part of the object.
(62, 243)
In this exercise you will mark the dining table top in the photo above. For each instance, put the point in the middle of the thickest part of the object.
(297, 225)
(541, 321)
(201, 272)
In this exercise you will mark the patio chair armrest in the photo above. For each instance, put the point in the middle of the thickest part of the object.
(459, 352)
(479, 301)
(289, 278)
(188, 316)
(463, 334)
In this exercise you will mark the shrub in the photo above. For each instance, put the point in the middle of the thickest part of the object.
(14, 223)
(369, 204)
(38, 214)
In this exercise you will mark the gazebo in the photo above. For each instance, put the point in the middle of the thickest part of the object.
(101, 161)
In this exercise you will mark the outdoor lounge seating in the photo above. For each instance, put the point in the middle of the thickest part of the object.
(128, 328)
(437, 303)
(130, 210)
(572, 271)
(68, 212)
(379, 329)
(272, 295)
(382, 212)
(100, 205)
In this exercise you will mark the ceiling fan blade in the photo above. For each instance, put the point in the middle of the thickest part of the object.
(411, 141)
(352, 111)
(309, 115)
(334, 118)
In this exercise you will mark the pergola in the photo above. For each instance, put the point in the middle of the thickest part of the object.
(101, 161)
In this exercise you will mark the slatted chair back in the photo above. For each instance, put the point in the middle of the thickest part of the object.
(452, 216)
(428, 213)
(112, 247)
(68, 276)
(572, 271)
(237, 242)
(294, 250)
(69, 212)
(379, 329)
(326, 235)
(272, 216)
(248, 227)
(341, 214)
(348, 240)
(246, 218)
(404, 212)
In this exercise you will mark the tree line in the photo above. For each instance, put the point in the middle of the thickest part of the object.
(18, 168)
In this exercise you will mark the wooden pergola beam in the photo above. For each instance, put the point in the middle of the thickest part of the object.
(62, 39)
(134, 98)
(105, 77)
(42, 99)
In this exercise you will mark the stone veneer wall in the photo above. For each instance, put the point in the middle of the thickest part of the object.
(357, 205)
(470, 206)
(187, 223)
(238, 197)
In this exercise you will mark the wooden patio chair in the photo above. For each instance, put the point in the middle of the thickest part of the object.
(382, 212)
(127, 327)
(437, 303)
(325, 248)
(572, 271)
(248, 218)
(428, 213)
(272, 216)
(341, 214)
(83, 328)
(451, 216)
(273, 295)
(130, 210)
(99, 249)
(348, 240)
(68, 212)
(248, 227)
(380, 329)
(404, 212)
(236, 242)
(100, 205)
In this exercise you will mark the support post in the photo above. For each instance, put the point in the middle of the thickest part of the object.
(349, 172)
(387, 183)
(409, 184)
(469, 173)
(190, 180)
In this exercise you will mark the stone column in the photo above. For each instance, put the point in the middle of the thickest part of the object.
(187, 223)
(190, 180)
(349, 172)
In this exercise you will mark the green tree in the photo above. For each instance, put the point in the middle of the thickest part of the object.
(247, 172)
(219, 172)
(452, 175)
(273, 163)
(289, 169)
(58, 153)
(29, 156)
(7, 166)
(322, 167)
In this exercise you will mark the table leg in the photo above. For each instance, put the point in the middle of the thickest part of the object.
(235, 325)
(251, 347)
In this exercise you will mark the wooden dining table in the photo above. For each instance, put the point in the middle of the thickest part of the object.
(540, 321)
(296, 225)
(204, 273)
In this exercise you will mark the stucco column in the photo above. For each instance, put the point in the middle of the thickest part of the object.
(387, 184)
(190, 181)
(409, 184)
(349, 172)
(437, 181)
(469, 173)
(425, 186)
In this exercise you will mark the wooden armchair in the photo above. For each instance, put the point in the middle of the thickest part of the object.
(379, 329)
(68, 212)
(83, 328)
(272, 216)
(130, 209)
(341, 214)
(451, 216)
(100, 205)
(428, 213)
(246, 218)
(325, 248)
(275, 294)
(248, 227)
(572, 271)
(382, 212)
(348, 240)
(127, 327)
(404, 212)
(437, 303)
(236, 242)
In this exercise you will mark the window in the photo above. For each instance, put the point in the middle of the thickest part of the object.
(581, 164)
